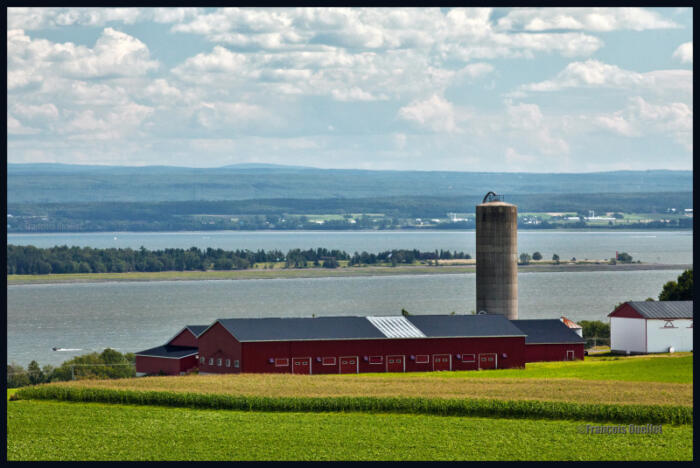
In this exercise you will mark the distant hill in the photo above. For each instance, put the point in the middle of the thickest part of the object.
(53, 183)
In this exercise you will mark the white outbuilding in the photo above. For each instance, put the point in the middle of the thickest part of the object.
(652, 327)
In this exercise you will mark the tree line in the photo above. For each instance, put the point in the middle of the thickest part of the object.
(31, 260)
(109, 364)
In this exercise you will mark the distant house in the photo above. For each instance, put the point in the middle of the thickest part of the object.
(652, 327)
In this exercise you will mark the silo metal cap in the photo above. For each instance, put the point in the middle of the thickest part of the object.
(492, 197)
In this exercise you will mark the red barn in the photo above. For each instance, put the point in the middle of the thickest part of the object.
(550, 340)
(332, 345)
(177, 356)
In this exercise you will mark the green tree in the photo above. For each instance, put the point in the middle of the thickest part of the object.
(537, 256)
(16, 376)
(680, 290)
(624, 257)
(36, 376)
(524, 258)
(405, 313)
(555, 258)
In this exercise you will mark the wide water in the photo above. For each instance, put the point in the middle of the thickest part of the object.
(132, 316)
(648, 246)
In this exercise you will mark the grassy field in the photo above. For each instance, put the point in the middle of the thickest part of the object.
(277, 271)
(126, 432)
(42, 430)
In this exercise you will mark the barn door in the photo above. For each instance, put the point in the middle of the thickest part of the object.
(349, 365)
(488, 361)
(569, 354)
(442, 362)
(395, 364)
(301, 365)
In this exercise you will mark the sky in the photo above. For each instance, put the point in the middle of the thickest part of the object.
(463, 89)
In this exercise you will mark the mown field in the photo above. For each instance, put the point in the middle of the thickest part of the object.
(534, 414)
(89, 431)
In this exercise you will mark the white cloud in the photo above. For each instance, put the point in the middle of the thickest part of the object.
(32, 61)
(513, 157)
(643, 118)
(29, 18)
(616, 123)
(596, 74)
(434, 113)
(588, 19)
(684, 53)
(527, 123)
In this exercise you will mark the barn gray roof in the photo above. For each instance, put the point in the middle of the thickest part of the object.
(434, 326)
(168, 351)
(197, 329)
(663, 309)
(357, 328)
(547, 331)
(293, 328)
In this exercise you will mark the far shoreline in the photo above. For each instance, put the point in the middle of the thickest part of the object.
(297, 273)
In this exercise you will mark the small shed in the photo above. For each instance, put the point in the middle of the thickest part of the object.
(652, 327)
(550, 340)
(175, 357)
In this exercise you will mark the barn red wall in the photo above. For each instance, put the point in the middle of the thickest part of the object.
(216, 343)
(154, 365)
(551, 352)
(184, 338)
(257, 354)
(625, 310)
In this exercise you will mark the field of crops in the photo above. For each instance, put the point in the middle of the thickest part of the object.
(39, 430)
(539, 411)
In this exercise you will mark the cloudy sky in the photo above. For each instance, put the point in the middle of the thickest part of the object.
(537, 90)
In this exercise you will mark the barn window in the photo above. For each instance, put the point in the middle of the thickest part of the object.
(202, 359)
(228, 363)
(329, 361)
(218, 362)
(468, 358)
(211, 361)
(236, 364)
(669, 324)
(376, 359)
(281, 362)
(422, 359)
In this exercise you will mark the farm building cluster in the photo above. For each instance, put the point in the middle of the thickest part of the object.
(333, 345)
(494, 338)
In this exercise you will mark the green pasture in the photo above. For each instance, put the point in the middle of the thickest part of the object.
(47, 430)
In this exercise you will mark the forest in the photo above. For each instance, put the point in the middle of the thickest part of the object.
(30, 260)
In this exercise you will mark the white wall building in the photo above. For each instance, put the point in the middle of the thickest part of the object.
(652, 327)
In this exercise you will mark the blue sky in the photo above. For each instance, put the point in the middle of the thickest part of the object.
(534, 90)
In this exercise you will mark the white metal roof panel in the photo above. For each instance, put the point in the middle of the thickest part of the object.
(396, 327)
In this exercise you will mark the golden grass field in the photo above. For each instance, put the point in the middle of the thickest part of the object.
(277, 385)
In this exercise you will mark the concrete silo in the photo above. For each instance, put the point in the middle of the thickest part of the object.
(497, 257)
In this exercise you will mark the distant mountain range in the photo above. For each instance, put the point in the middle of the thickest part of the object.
(50, 183)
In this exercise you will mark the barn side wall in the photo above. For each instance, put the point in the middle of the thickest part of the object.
(660, 337)
(552, 352)
(510, 353)
(217, 343)
(169, 366)
(628, 334)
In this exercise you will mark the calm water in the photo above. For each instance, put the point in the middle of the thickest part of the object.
(135, 316)
(674, 247)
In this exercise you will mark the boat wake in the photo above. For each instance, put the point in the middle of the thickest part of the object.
(67, 349)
